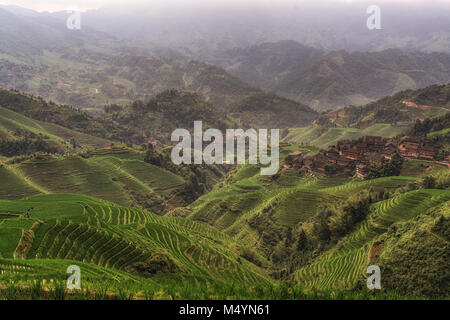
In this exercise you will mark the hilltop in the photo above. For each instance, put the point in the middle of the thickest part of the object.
(336, 79)
(154, 120)
(71, 118)
(267, 64)
(133, 123)
(157, 118)
(89, 69)
(20, 135)
(150, 75)
(404, 107)
(267, 110)
(388, 117)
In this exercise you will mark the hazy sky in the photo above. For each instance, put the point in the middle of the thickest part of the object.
(58, 5)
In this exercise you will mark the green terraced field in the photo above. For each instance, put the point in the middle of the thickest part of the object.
(106, 174)
(106, 239)
(295, 198)
(344, 265)
(421, 168)
(204, 242)
(11, 121)
(325, 137)
(13, 186)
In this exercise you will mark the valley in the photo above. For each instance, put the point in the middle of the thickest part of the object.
(121, 200)
(88, 178)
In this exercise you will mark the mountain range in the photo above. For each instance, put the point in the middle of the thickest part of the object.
(73, 69)
(336, 79)
(86, 176)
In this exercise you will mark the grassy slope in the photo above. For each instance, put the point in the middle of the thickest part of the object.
(344, 265)
(96, 234)
(107, 174)
(296, 199)
(11, 121)
(107, 237)
(387, 117)
(324, 137)
(432, 101)
(405, 251)
(264, 110)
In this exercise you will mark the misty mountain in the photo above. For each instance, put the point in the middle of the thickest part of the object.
(202, 30)
(342, 78)
(90, 68)
(405, 106)
(267, 110)
(165, 112)
(339, 78)
(266, 65)
(25, 35)
(87, 68)
(151, 75)
(17, 10)
(88, 177)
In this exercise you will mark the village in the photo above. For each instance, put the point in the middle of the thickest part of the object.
(354, 157)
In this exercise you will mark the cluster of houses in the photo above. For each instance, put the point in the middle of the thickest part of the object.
(413, 148)
(350, 157)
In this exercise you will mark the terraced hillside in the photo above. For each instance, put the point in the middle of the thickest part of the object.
(36, 108)
(345, 265)
(266, 213)
(229, 208)
(419, 247)
(119, 175)
(11, 121)
(131, 250)
(387, 117)
(292, 197)
(111, 243)
(323, 136)
(404, 106)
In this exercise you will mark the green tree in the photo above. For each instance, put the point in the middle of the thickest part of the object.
(302, 241)
(429, 182)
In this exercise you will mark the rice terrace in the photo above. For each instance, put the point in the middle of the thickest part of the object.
(343, 195)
